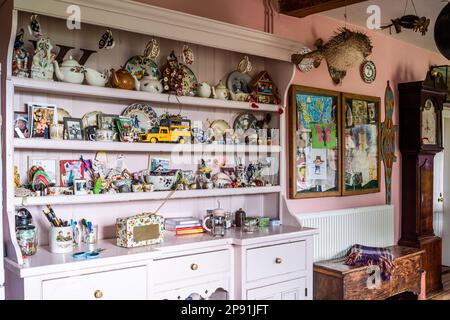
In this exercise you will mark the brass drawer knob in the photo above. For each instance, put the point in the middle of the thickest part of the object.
(278, 261)
(98, 294)
(194, 266)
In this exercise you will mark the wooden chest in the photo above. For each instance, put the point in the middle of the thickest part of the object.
(333, 280)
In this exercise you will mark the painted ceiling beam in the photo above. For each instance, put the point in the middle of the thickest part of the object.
(304, 8)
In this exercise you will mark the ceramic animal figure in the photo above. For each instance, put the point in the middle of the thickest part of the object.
(346, 50)
(42, 67)
(410, 22)
(388, 131)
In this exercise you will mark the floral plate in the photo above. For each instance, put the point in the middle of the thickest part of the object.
(142, 115)
(190, 82)
(90, 119)
(138, 65)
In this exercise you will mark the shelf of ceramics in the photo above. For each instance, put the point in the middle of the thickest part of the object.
(126, 197)
(80, 90)
(47, 144)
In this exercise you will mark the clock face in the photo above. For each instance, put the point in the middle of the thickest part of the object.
(429, 129)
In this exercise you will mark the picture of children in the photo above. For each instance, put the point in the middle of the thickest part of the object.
(60, 237)
(42, 117)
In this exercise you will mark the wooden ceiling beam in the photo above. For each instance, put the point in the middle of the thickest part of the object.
(304, 8)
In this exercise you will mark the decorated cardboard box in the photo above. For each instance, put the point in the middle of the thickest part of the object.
(140, 230)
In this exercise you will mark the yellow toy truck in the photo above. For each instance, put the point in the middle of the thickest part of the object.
(170, 131)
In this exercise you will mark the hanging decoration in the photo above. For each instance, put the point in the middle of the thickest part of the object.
(368, 71)
(152, 49)
(107, 41)
(346, 50)
(388, 131)
(411, 21)
(35, 27)
(187, 55)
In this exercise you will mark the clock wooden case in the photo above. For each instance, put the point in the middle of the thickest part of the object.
(421, 105)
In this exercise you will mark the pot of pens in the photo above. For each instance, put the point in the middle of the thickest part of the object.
(60, 233)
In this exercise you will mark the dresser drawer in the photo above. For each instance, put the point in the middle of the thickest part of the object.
(275, 260)
(186, 267)
(124, 284)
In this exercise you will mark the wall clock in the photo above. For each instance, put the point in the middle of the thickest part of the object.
(368, 71)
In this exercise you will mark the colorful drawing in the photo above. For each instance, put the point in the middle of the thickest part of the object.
(359, 112)
(71, 170)
(388, 131)
(317, 164)
(314, 109)
(324, 136)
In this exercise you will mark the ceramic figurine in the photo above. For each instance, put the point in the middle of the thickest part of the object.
(148, 84)
(204, 90)
(69, 71)
(122, 79)
(220, 91)
(42, 67)
(20, 57)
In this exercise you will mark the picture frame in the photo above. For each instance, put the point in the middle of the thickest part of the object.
(361, 149)
(21, 125)
(73, 128)
(50, 165)
(80, 187)
(41, 116)
(70, 170)
(314, 172)
(124, 124)
(108, 121)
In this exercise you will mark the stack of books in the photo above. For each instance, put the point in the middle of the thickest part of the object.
(181, 226)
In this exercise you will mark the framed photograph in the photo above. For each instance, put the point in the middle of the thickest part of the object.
(314, 143)
(158, 164)
(42, 117)
(21, 125)
(50, 166)
(73, 128)
(107, 121)
(361, 149)
(80, 187)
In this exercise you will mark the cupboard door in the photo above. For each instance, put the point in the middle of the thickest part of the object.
(289, 290)
(124, 284)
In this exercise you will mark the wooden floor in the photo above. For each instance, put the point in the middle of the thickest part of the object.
(445, 293)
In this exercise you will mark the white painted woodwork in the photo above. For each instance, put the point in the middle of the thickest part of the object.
(270, 261)
(289, 290)
(125, 284)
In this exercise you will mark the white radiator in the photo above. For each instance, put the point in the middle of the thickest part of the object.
(339, 230)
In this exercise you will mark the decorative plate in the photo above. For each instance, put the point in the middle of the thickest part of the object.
(238, 81)
(90, 119)
(62, 113)
(190, 82)
(368, 71)
(307, 64)
(138, 65)
(143, 116)
(219, 126)
(245, 121)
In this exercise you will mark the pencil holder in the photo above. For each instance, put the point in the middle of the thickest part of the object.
(60, 239)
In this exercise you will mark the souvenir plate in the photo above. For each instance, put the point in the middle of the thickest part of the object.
(143, 116)
(245, 121)
(138, 65)
(90, 119)
(62, 113)
(219, 126)
(190, 82)
(238, 81)
(368, 71)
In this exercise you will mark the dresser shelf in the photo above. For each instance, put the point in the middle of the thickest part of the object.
(55, 145)
(140, 196)
(80, 91)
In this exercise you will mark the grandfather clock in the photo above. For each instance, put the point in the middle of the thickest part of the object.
(421, 105)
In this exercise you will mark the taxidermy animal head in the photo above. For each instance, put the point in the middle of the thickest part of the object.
(347, 49)
(409, 22)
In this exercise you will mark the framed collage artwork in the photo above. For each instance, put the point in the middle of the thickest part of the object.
(334, 143)
(361, 153)
(314, 143)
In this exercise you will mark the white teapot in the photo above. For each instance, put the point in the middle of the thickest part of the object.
(95, 78)
(204, 90)
(69, 71)
(148, 84)
(220, 91)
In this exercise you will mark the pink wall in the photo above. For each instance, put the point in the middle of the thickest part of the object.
(396, 61)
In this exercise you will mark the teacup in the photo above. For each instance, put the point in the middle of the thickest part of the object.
(251, 224)
(103, 135)
(57, 131)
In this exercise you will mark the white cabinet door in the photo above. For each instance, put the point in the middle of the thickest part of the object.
(124, 284)
(289, 290)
